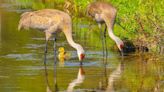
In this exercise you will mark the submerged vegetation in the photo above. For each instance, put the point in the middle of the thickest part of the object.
(139, 21)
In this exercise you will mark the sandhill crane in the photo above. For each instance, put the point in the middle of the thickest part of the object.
(51, 21)
(105, 13)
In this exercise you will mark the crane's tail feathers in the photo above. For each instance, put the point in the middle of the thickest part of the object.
(24, 21)
(19, 27)
(25, 14)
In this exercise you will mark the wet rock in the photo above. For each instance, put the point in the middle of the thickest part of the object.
(141, 48)
(128, 46)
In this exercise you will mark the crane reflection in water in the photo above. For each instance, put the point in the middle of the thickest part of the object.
(80, 78)
(107, 82)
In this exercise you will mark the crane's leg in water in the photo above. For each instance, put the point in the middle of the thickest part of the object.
(45, 66)
(46, 78)
(55, 64)
(105, 42)
(45, 53)
(55, 60)
(102, 38)
(47, 37)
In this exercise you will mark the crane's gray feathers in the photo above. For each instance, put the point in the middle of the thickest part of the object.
(42, 19)
(24, 21)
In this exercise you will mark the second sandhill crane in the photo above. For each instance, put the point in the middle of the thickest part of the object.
(51, 21)
(104, 12)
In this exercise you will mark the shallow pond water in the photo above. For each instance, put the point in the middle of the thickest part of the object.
(22, 68)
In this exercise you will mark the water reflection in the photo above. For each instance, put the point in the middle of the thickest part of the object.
(104, 81)
(147, 64)
(107, 82)
(114, 76)
(0, 30)
(80, 78)
(48, 87)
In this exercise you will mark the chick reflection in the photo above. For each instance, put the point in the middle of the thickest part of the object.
(113, 76)
(62, 56)
(76, 82)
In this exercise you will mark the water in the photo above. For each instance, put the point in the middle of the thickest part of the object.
(22, 68)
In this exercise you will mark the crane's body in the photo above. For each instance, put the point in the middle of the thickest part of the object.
(51, 21)
(102, 12)
(47, 20)
(105, 13)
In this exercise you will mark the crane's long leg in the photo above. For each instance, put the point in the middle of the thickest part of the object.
(46, 78)
(45, 58)
(106, 49)
(102, 38)
(55, 64)
(55, 60)
(45, 53)
(45, 66)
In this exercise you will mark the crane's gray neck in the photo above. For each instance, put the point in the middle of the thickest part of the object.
(78, 47)
(113, 37)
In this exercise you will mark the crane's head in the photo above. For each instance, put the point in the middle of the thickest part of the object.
(81, 56)
(80, 52)
(120, 45)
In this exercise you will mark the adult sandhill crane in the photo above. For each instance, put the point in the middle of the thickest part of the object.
(105, 13)
(51, 21)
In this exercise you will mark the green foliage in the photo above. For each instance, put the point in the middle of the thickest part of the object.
(37, 6)
(141, 20)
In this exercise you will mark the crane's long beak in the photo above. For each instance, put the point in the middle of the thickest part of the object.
(122, 53)
(82, 56)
